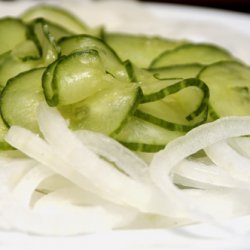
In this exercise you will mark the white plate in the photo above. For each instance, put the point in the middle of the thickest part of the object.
(228, 29)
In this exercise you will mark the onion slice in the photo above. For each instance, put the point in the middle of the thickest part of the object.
(223, 155)
(67, 156)
(199, 138)
(110, 149)
(197, 174)
(12, 170)
(25, 188)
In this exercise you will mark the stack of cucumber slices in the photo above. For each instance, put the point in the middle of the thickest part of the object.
(142, 91)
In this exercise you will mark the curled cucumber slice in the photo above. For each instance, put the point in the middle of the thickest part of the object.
(13, 32)
(229, 86)
(105, 111)
(141, 50)
(191, 53)
(75, 77)
(112, 62)
(140, 135)
(177, 71)
(56, 15)
(20, 99)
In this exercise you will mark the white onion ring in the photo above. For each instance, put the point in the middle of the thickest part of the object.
(224, 156)
(68, 157)
(196, 174)
(197, 139)
(27, 185)
(109, 148)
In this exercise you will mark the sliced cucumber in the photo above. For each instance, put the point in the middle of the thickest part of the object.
(177, 71)
(141, 50)
(176, 87)
(58, 31)
(75, 77)
(12, 66)
(13, 31)
(28, 55)
(229, 85)
(140, 135)
(143, 91)
(45, 42)
(4, 56)
(142, 76)
(171, 114)
(48, 84)
(110, 59)
(20, 98)
(191, 53)
(26, 50)
(56, 15)
(106, 111)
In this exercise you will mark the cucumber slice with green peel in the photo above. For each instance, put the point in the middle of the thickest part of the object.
(4, 56)
(154, 86)
(106, 111)
(13, 31)
(112, 62)
(141, 50)
(176, 87)
(155, 90)
(229, 86)
(177, 71)
(48, 84)
(148, 81)
(140, 75)
(164, 114)
(26, 50)
(20, 99)
(12, 66)
(169, 125)
(191, 53)
(140, 135)
(179, 111)
(57, 31)
(46, 44)
(56, 15)
(75, 77)
(40, 51)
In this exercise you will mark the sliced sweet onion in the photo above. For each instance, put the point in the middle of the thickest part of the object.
(70, 195)
(73, 195)
(176, 151)
(53, 183)
(54, 214)
(61, 219)
(11, 171)
(36, 148)
(220, 203)
(241, 145)
(223, 155)
(110, 149)
(116, 186)
(28, 184)
(197, 174)
(68, 157)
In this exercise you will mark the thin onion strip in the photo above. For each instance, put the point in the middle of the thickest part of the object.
(199, 138)
(107, 147)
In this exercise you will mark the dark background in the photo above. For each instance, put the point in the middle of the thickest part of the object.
(235, 5)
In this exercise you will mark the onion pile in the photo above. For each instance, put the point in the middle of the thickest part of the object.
(64, 182)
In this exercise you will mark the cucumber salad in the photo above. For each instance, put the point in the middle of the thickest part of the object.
(102, 130)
